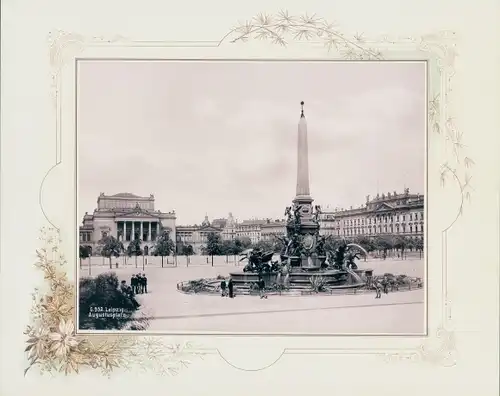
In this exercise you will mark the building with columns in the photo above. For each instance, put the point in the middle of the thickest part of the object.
(386, 214)
(122, 216)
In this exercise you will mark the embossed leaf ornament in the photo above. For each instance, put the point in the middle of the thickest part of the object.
(282, 27)
(444, 353)
(52, 345)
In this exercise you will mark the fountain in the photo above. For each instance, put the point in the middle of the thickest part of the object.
(306, 263)
(304, 256)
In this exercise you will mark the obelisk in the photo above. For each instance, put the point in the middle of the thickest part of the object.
(302, 158)
(302, 193)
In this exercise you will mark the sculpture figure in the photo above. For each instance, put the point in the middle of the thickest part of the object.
(296, 213)
(317, 213)
(258, 261)
(349, 259)
(288, 213)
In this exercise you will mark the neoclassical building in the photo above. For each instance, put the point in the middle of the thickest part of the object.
(122, 216)
(386, 214)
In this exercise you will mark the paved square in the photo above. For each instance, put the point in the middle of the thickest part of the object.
(172, 311)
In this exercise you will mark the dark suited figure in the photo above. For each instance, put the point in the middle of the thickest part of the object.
(262, 288)
(133, 284)
(145, 283)
(141, 277)
(230, 287)
(135, 287)
(124, 287)
(223, 288)
(139, 284)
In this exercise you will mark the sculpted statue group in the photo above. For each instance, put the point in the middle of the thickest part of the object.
(295, 244)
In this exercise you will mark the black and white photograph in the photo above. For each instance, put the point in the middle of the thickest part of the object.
(251, 197)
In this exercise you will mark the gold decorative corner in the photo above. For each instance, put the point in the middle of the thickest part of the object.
(53, 346)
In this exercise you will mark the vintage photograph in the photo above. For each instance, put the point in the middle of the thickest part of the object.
(251, 197)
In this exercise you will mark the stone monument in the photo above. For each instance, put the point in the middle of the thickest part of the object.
(303, 226)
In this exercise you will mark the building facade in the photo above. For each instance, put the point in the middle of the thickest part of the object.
(123, 216)
(271, 229)
(386, 214)
(250, 229)
(196, 235)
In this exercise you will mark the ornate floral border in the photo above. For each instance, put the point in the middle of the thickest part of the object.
(52, 344)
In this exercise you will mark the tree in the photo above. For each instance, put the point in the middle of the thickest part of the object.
(134, 248)
(187, 250)
(104, 291)
(383, 244)
(419, 246)
(164, 245)
(84, 253)
(214, 245)
(401, 243)
(111, 247)
(366, 243)
(263, 245)
(236, 247)
(246, 242)
(227, 248)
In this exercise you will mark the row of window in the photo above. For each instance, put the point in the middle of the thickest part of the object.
(379, 230)
(383, 219)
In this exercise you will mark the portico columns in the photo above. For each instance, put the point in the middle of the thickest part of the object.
(142, 231)
(124, 237)
(149, 234)
(133, 232)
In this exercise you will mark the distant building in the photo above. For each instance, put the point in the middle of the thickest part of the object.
(386, 214)
(229, 229)
(123, 216)
(196, 235)
(250, 229)
(271, 229)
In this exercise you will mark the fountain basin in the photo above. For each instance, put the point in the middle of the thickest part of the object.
(331, 277)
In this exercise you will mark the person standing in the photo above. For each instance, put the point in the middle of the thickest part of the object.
(223, 288)
(230, 288)
(133, 284)
(145, 282)
(141, 283)
(124, 287)
(262, 287)
(378, 289)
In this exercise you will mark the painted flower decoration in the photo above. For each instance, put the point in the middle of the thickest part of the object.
(57, 308)
(63, 339)
(37, 344)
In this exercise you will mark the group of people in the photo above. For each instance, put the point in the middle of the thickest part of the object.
(139, 283)
(227, 290)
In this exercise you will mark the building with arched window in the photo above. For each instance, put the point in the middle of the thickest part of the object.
(386, 214)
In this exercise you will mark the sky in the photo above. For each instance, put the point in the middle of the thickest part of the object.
(219, 137)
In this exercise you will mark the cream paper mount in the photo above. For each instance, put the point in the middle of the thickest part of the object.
(52, 344)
